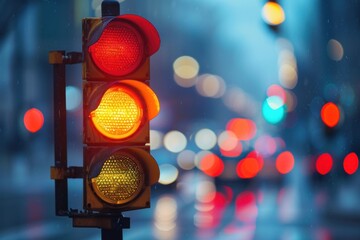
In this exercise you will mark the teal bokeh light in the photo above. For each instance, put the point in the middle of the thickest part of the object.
(273, 109)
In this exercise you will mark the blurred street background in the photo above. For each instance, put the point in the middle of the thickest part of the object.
(258, 133)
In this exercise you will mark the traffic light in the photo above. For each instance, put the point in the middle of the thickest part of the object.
(118, 105)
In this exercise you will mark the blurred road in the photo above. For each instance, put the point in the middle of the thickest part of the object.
(207, 210)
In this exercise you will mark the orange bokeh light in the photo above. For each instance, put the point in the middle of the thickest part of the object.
(211, 165)
(324, 163)
(330, 114)
(285, 162)
(244, 129)
(351, 163)
(33, 120)
(273, 13)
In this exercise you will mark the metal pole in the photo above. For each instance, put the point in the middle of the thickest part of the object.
(61, 185)
(111, 234)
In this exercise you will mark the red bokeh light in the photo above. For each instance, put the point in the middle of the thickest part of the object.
(33, 120)
(351, 163)
(211, 165)
(244, 129)
(245, 207)
(324, 163)
(285, 162)
(258, 157)
(232, 152)
(276, 90)
(330, 114)
(248, 167)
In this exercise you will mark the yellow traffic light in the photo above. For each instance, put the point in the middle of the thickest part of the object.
(119, 113)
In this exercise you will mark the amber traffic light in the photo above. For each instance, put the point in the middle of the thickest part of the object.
(118, 105)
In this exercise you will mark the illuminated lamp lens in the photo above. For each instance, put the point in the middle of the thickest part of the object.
(120, 180)
(119, 50)
(119, 113)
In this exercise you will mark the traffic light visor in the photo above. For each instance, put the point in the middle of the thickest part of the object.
(119, 113)
(150, 33)
(120, 180)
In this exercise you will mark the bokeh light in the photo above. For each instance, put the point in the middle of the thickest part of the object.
(258, 157)
(238, 101)
(156, 139)
(186, 69)
(209, 85)
(227, 141)
(33, 120)
(273, 13)
(351, 163)
(288, 76)
(205, 139)
(291, 101)
(168, 174)
(210, 205)
(285, 162)
(276, 90)
(273, 110)
(211, 165)
(324, 163)
(165, 216)
(335, 50)
(286, 55)
(245, 207)
(73, 98)
(330, 114)
(175, 141)
(205, 191)
(186, 159)
(244, 129)
(248, 167)
(234, 152)
(265, 145)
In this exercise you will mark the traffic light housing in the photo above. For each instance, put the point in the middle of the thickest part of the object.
(118, 105)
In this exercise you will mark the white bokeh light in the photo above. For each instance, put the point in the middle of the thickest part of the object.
(186, 159)
(168, 174)
(73, 98)
(156, 139)
(175, 141)
(205, 139)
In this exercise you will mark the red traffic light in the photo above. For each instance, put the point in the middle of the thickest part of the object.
(119, 50)
(119, 46)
